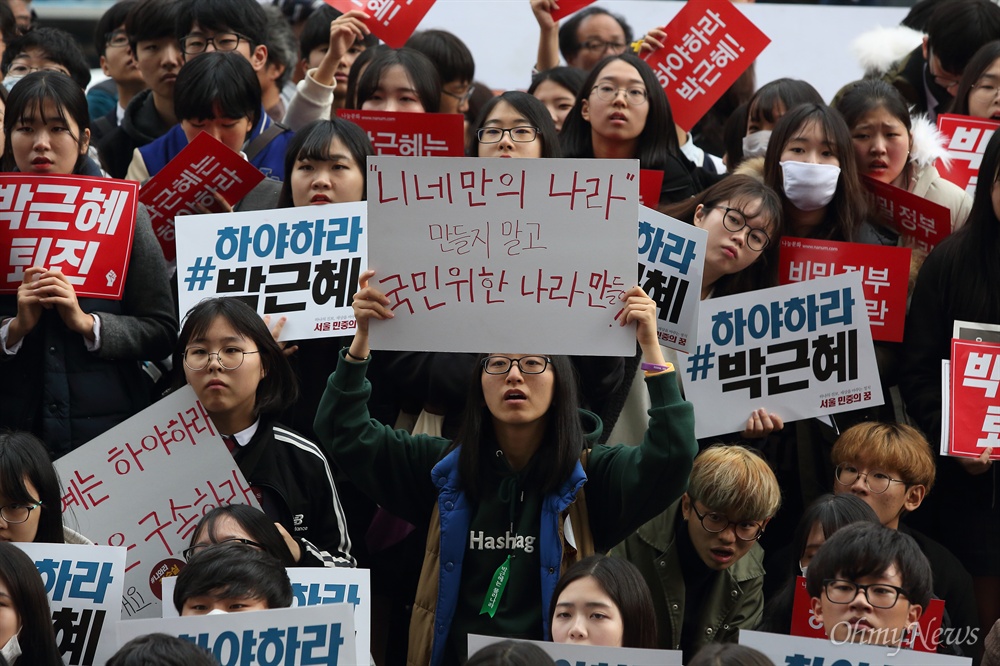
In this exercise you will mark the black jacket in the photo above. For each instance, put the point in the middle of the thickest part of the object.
(140, 125)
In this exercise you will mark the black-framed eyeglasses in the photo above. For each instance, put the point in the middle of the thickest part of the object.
(528, 365)
(879, 595)
(464, 97)
(877, 482)
(734, 220)
(21, 69)
(521, 134)
(230, 358)
(222, 41)
(746, 530)
(188, 553)
(601, 46)
(116, 38)
(18, 512)
(635, 95)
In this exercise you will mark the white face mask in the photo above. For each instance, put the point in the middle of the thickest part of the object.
(12, 650)
(217, 611)
(9, 82)
(809, 186)
(755, 145)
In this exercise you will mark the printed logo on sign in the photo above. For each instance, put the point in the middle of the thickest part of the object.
(506, 541)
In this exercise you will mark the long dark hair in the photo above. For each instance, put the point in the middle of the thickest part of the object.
(658, 140)
(254, 522)
(847, 212)
(312, 142)
(278, 389)
(780, 93)
(564, 434)
(23, 456)
(740, 188)
(533, 111)
(27, 594)
(977, 66)
(30, 95)
(622, 581)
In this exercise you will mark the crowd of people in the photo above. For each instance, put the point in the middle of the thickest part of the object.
(511, 493)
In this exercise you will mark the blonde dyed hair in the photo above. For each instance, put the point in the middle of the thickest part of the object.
(888, 447)
(735, 480)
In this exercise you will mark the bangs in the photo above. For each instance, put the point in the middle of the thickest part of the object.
(317, 144)
(768, 106)
(34, 108)
(13, 471)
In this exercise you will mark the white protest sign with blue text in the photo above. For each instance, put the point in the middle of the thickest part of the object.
(301, 263)
(567, 654)
(798, 651)
(316, 586)
(511, 255)
(800, 350)
(320, 635)
(671, 268)
(145, 484)
(84, 584)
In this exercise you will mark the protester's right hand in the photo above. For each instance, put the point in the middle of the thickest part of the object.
(542, 9)
(345, 30)
(980, 465)
(29, 307)
(369, 303)
(654, 39)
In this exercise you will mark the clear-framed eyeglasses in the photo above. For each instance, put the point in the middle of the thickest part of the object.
(230, 358)
(877, 482)
(18, 512)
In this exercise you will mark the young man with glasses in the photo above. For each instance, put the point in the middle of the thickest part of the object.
(701, 558)
(869, 584)
(108, 100)
(891, 467)
(454, 63)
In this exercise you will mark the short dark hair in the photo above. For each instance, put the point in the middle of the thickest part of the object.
(312, 142)
(570, 78)
(624, 584)
(973, 71)
(149, 20)
(219, 78)
(234, 570)
(728, 654)
(161, 650)
(418, 67)
(23, 456)
(58, 46)
(316, 31)
(450, 55)
(957, 28)
(789, 93)
(510, 653)
(30, 95)
(246, 17)
(868, 549)
(278, 389)
(832, 513)
(109, 22)
(535, 113)
(254, 522)
(569, 42)
(27, 594)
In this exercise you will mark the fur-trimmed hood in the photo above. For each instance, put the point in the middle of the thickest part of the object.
(878, 49)
(753, 167)
(928, 143)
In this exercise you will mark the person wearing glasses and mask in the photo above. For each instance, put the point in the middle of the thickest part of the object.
(891, 467)
(498, 497)
(869, 584)
(701, 558)
(244, 381)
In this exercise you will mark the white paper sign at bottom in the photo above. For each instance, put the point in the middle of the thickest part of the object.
(797, 651)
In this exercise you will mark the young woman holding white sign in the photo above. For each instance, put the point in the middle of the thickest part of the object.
(497, 497)
(26, 633)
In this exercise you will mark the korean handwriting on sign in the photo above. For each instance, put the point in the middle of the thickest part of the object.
(978, 374)
(310, 646)
(517, 237)
(184, 428)
(408, 145)
(874, 278)
(42, 212)
(715, 52)
(316, 594)
(204, 177)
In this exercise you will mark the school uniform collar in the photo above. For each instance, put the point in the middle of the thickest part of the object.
(243, 437)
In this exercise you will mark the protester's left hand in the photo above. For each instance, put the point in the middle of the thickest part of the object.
(223, 205)
(654, 39)
(980, 465)
(54, 290)
(761, 424)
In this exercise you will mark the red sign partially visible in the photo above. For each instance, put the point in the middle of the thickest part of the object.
(392, 21)
(83, 226)
(709, 44)
(567, 7)
(885, 274)
(807, 625)
(966, 142)
(411, 134)
(974, 422)
(650, 185)
(205, 166)
(926, 222)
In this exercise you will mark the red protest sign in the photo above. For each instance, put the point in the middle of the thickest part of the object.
(974, 422)
(80, 225)
(807, 625)
(392, 21)
(709, 44)
(650, 185)
(966, 142)
(926, 222)
(567, 7)
(885, 274)
(411, 134)
(205, 166)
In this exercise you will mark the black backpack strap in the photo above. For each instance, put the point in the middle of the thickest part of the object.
(262, 139)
